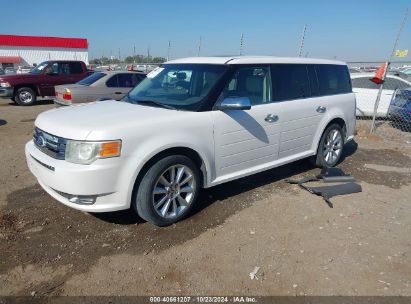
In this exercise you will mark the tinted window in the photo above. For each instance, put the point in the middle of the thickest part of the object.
(76, 68)
(364, 83)
(394, 84)
(112, 82)
(290, 81)
(64, 68)
(251, 82)
(128, 80)
(91, 79)
(312, 76)
(333, 79)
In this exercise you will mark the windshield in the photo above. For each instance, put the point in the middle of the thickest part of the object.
(180, 86)
(39, 69)
(91, 79)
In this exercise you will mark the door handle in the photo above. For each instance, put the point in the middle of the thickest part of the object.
(271, 118)
(118, 93)
(321, 109)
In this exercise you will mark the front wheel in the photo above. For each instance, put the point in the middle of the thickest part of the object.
(168, 190)
(330, 147)
(25, 96)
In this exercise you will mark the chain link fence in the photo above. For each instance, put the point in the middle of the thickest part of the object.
(393, 111)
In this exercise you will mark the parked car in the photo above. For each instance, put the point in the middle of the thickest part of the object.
(24, 69)
(24, 88)
(366, 93)
(9, 70)
(192, 123)
(100, 85)
(406, 71)
(400, 109)
(1, 71)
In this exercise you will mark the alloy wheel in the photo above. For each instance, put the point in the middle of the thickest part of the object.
(332, 147)
(174, 191)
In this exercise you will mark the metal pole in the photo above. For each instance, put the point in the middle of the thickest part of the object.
(377, 101)
(199, 48)
(168, 50)
(134, 54)
(241, 44)
(302, 41)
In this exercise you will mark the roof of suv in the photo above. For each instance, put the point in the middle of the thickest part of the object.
(253, 60)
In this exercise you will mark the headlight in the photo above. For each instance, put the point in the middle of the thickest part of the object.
(5, 85)
(86, 152)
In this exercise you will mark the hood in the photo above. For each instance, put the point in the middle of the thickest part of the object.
(101, 120)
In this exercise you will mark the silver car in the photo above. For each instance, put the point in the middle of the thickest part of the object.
(98, 86)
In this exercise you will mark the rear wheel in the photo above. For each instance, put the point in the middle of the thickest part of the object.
(168, 190)
(330, 147)
(25, 96)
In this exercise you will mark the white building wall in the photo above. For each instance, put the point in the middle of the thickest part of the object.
(31, 55)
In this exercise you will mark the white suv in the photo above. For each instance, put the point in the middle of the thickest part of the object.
(192, 123)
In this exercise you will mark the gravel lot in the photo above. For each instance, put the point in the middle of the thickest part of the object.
(360, 247)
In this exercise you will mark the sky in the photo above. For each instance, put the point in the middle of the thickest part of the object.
(348, 30)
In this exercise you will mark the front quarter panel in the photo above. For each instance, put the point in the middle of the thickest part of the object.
(140, 143)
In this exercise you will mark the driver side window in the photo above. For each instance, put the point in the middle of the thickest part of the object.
(251, 82)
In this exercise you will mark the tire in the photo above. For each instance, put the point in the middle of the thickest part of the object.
(172, 201)
(330, 147)
(25, 96)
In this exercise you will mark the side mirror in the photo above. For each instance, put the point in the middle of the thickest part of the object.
(235, 103)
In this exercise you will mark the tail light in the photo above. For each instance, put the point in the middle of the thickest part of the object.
(67, 95)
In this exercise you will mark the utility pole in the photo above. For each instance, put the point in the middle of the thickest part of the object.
(134, 54)
(241, 44)
(199, 48)
(302, 41)
(168, 50)
(397, 39)
(119, 55)
(148, 58)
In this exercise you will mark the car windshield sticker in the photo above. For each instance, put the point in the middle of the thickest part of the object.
(155, 72)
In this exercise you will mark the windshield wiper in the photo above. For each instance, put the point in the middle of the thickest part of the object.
(153, 102)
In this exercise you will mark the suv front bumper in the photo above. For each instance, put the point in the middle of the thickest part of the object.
(6, 92)
(90, 188)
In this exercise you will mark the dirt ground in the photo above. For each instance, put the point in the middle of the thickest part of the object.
(360, 247)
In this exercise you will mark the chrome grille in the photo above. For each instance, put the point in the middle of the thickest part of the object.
(49, 144)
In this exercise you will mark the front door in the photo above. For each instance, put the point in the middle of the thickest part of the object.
(247, 140)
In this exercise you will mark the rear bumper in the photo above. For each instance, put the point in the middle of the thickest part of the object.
(6, 92)
(60, 103)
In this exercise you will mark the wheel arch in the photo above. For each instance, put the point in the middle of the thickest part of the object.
(338, 120)
(31, 86)
(180, 150)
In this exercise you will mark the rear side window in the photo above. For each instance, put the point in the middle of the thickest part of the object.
(290, 81)
(91, 79)
(112, 82)
(76, 68)
(127, 80)
(333, 79)
(394, 84)
(364, 83)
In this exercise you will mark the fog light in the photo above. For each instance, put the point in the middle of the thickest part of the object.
(82, 199)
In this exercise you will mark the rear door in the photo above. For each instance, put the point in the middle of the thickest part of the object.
(296, 88)
(119, 85)
(247, 140)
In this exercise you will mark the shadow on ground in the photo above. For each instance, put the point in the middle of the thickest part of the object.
(35, 229)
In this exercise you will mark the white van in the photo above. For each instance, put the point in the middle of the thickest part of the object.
(192, 123)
